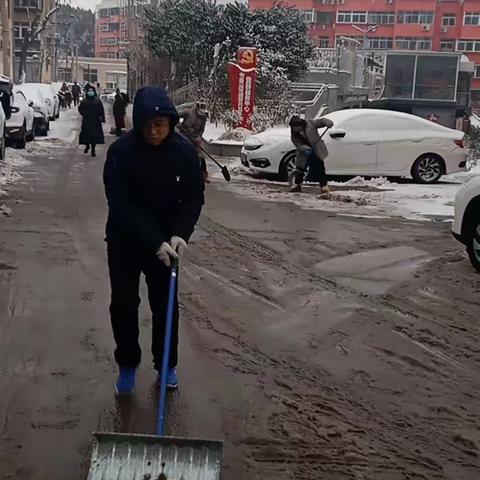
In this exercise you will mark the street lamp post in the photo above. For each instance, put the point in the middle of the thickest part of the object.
(365, 32)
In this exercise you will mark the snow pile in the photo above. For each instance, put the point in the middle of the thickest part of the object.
(64, 129)
(5, 211)
(15, 158)
(7, 174)
(236, 135)
(362, 182)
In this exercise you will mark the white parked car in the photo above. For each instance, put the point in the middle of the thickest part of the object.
(40, 108)
(466, 223)
(20, 128)
(49, 96)
(368, 142)
(3, 122)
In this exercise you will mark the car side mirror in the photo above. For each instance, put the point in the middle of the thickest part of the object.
(338, 133)
(30, 103)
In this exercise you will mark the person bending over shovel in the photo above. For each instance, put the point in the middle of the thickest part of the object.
(311, 151)
(155, 192)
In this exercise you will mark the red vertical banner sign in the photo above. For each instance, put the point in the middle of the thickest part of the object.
(242, 76)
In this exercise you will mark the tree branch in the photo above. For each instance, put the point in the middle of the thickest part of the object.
(44, 22)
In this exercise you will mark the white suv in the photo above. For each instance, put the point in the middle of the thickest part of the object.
(466, 224)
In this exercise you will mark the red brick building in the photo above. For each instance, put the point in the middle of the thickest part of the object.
(439, 25)
(111, 29)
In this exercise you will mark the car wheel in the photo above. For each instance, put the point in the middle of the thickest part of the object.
(428, 168)
(31, 135)
(473, 248)
(287, 166)
(22, 141)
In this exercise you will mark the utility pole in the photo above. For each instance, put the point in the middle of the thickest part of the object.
(7, 37)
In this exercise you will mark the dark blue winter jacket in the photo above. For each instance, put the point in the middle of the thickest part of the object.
(153, 193)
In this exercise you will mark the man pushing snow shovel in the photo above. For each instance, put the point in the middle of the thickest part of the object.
(154, 187)
(311, 150)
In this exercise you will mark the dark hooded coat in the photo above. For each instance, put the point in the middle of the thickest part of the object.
(153, 192)
(93, 115)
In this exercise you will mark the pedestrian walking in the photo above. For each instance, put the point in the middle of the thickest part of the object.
(311, 150)
(153, 184)
(119, 112)
(76, 92)
(93, 115)
(194, 117)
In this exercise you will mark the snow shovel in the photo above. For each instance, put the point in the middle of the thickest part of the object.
(223, 168)
(121, 456)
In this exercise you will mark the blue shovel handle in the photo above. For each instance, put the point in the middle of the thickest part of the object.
(166, 349)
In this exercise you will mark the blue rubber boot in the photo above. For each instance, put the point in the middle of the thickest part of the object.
(126, 381)
(172, 379)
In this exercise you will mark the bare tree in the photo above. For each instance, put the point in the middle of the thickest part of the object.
(36, 25)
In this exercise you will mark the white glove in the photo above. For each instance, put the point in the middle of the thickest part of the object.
(165, 253)
(179, 245)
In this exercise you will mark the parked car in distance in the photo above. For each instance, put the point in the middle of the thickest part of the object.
(367, 142)
(3, 121)
(20, 125)
(466, 222)
(48, 95)
(40, 108)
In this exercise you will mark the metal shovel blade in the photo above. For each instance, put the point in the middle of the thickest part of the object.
(118, 456)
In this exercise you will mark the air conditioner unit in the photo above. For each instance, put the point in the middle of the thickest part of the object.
(389, 2)
(444, 29)
(425, 28)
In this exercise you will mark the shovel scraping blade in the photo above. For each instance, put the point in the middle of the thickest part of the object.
(118, 456)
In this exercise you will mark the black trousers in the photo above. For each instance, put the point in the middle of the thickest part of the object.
(126, 266)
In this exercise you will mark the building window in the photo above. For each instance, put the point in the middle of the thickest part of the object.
(64, 73)
(114, 11)
(113, 27)
(447, 45)
(325, 18)
(380, 43)
(415, 17)
(449, 20)
(103, 27)
(108, 41)
(124, 26)
(400, 72)
(472, 18)
(20, 30)
(351, 17)
(410, 43)
(111, 55)
(435, 78)
(477, 71)
(468, 45)
(90, 75)
(26, 3)
(323, 42)
(104, 13)
(381, 18)
(309, 16)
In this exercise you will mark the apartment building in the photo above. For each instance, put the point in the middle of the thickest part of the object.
(421, 25)
(6, 37)
(41, 51)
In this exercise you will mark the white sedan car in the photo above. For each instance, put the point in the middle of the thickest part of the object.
(466, 223)
(368, 142)
(49, 97)
(40, 108)
(20, 127)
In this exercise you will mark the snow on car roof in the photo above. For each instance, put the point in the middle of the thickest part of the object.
(30, 90)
